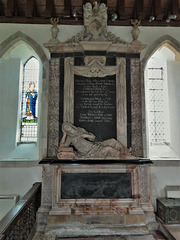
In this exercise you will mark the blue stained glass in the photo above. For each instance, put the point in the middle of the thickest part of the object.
(29, 109)
(31, 97)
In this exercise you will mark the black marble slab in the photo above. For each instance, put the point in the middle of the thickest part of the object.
(95, 105)
(136, 161)
(96, 185)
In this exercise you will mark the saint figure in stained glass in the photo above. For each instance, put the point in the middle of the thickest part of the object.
(31, 97)
(29, 109)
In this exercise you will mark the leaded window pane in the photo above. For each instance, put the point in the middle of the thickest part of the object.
(29, 108)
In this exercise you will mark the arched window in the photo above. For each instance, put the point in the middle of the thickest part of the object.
(29, 105)
(23, 66)
(161, 80)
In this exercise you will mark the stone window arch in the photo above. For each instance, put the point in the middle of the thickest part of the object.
(160, 81)
(18, 48)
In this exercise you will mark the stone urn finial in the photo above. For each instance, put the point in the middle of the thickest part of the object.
(135, 32)
(54, 30)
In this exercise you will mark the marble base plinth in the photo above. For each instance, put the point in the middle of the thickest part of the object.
(80, 217)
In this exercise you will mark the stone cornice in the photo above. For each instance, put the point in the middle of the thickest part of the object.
(94, 46)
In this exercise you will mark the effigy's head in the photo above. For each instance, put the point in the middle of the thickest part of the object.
(68, 128)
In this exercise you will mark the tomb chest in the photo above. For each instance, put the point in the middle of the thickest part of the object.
(168, 210)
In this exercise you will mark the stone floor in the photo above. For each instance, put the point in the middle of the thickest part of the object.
(153, 236)
(159, 235)
(174, 230)
(171, 231)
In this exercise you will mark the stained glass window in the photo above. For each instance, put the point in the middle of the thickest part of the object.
(29, 108)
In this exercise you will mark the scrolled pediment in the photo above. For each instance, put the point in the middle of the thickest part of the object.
(94, 36)
(95, 25)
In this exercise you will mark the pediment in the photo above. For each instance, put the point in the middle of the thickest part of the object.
(94, 36)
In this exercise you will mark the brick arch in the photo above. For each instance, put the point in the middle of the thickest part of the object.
(19, 36)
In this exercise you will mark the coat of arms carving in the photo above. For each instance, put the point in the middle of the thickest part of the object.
(95, 25)
(95, 21)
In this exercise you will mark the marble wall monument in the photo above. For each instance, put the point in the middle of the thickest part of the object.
(95, 84)
(95, 182)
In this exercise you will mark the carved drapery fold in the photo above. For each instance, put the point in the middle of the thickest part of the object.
(95, 67)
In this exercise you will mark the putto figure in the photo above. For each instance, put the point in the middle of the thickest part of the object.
(83, 142)
(31, 97)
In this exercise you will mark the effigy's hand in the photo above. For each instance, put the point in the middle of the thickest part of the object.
(89, 136)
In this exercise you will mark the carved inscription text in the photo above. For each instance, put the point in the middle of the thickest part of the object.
(95, 104)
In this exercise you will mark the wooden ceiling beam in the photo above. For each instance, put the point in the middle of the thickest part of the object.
(152, 8)
(158, 10)
(67, 8)
(9, 11)
(11, 8)
(29, 8)
(120, 7)
(1, 9)
(140, 9)
(175, 7)
(50, 9)
(137, 9)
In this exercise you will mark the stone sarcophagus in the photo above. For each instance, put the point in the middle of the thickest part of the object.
(95, 197)
(95, 181)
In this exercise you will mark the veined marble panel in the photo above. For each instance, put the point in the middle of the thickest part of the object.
(81, 206)
(136, 111)
(53, 111)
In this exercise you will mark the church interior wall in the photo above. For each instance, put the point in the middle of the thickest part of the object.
(18, 177)
(174, 94)
(163, 173)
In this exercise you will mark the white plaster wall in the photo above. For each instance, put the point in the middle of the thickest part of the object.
(174, 96)
(162, 176)
(11, 109)
(18, 178)
(42, 33)
(9, 80)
